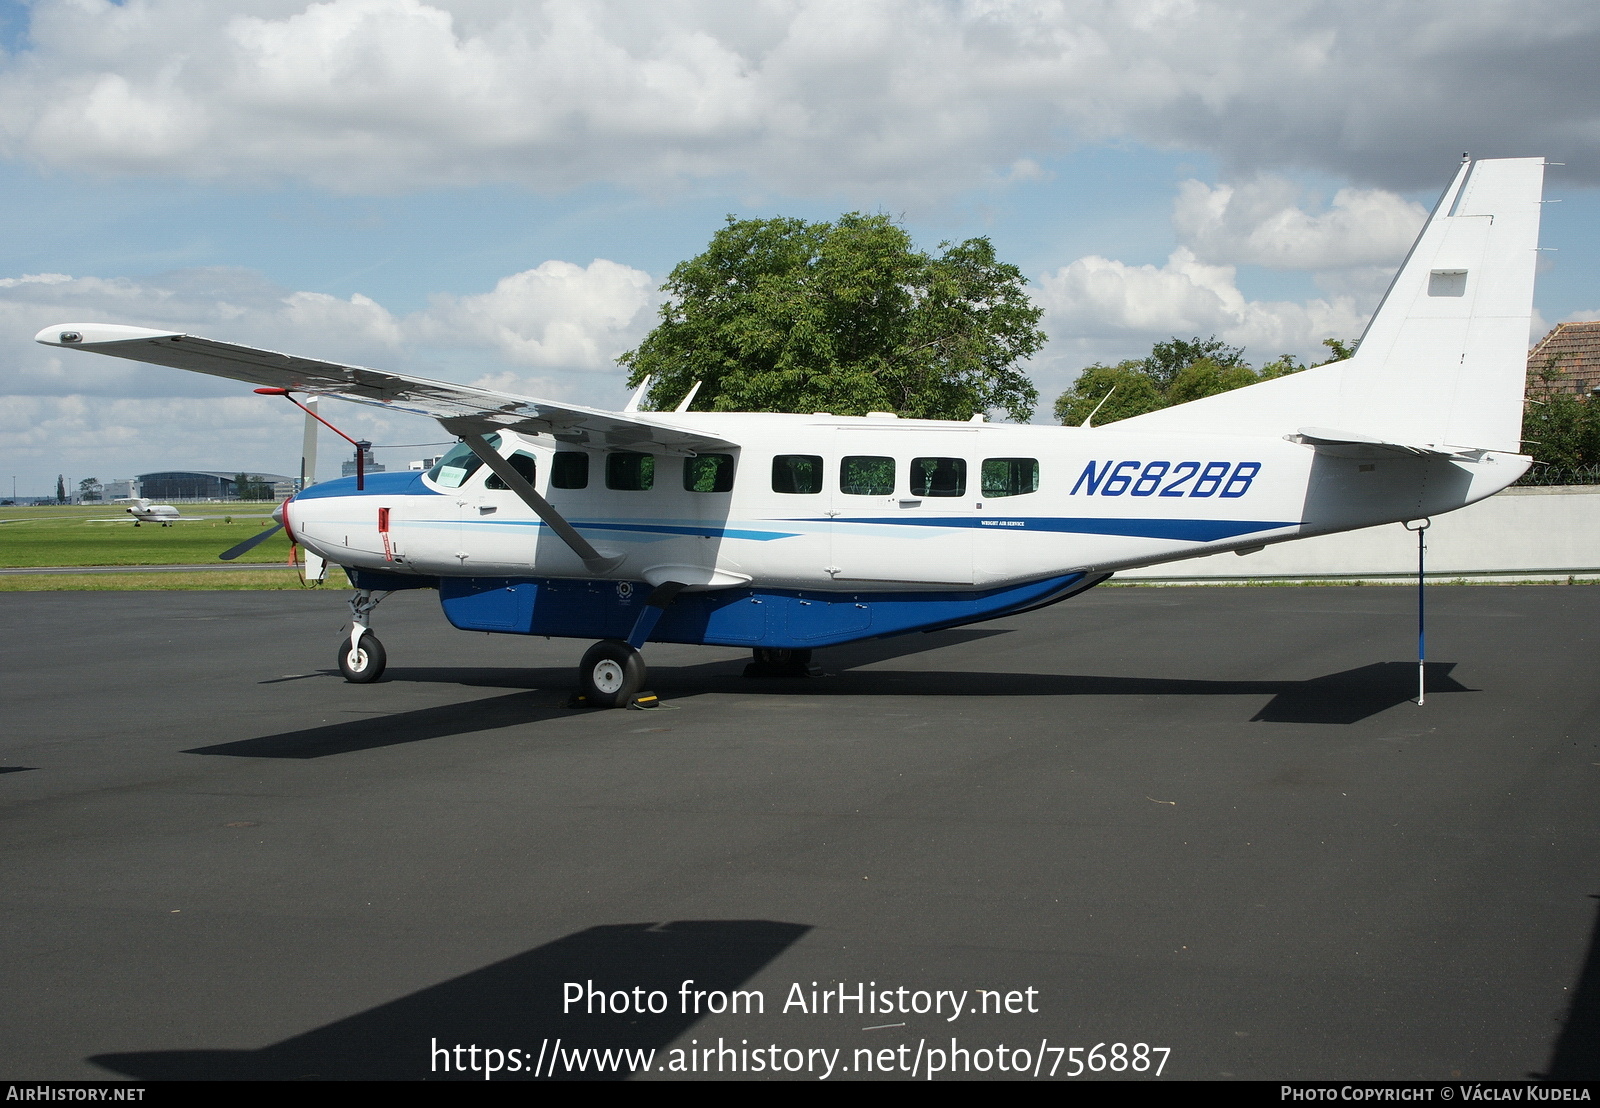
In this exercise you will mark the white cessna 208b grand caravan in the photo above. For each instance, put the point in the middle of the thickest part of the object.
(784, 533)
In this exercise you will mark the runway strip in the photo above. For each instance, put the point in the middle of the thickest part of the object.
(23, 570)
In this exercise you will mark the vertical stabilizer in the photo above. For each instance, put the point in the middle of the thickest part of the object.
(1442, 362)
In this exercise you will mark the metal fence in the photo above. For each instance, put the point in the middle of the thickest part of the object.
(1551, 475)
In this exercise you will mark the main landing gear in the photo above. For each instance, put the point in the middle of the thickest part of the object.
(612, 672)
(610, 675)
(361, 656)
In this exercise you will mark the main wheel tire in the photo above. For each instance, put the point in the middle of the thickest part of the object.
(610, 674)
(365, 663)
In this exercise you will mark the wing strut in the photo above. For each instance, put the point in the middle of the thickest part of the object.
(593, 560)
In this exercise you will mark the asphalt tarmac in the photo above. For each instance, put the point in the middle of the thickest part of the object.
(1208, 821)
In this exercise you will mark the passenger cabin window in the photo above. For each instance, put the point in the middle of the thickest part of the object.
(459, 463)
(938, 476)
(863, 475)
(569, 469)
(1010, 476)
(630, 472)
(523, 464)
(797, 473)
(708, 473)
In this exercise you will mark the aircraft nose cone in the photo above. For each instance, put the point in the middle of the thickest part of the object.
(277, 513)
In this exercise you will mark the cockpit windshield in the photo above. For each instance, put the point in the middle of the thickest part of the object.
(459, 464)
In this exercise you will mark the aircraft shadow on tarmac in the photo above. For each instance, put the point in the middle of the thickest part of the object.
(1576, 1055)
(1337, 698)
(513, 1004)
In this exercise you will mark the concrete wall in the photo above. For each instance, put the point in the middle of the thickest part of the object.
(1528, 534)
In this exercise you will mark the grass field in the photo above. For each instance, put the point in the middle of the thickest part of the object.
(62, 536)
(255, 580)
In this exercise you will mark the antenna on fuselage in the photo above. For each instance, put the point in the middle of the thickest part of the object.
(1086, 419)
(638, 394)
(683, 405)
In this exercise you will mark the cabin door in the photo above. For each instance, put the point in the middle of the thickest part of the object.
(901, 515)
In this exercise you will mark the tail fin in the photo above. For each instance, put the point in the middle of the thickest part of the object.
(1442, 363)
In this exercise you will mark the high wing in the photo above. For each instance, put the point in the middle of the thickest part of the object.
(462, 408)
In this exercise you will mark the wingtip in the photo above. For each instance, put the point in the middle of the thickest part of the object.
(94, 334)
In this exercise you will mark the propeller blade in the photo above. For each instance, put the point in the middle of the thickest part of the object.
(249, 544)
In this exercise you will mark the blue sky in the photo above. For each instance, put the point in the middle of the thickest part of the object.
(491, 192)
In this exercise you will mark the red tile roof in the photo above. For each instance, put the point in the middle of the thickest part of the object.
(1576, 350)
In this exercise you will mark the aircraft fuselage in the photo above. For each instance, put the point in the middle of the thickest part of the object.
(852, 527)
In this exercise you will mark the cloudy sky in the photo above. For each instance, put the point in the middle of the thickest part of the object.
(491, 190)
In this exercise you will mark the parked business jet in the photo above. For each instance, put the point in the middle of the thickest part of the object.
(140, 510)
(784, 533)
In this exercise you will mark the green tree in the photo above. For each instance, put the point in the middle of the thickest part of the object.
(248, 486)
(1168, 359)
(89, 489)
(781, 315)
(1175, 372)
(1282, 366)
(1206, 377)
(1119, 391)
(1338, 350)
(1560, 429)
(61, 489)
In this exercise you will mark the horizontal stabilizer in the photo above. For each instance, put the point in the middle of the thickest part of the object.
(1321, 437)
(464, 408)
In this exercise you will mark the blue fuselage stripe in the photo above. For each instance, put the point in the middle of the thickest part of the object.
(1184, 530)
(1194, 530)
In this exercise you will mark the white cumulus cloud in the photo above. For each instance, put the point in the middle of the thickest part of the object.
(558, 314)
(1263, 223)
(554, 330)
(1101, 310)
(906, 96)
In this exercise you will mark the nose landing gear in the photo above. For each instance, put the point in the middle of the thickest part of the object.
(363, 662)
(362, 657)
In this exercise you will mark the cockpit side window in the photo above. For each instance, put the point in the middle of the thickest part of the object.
(523, 464)
(459, 464)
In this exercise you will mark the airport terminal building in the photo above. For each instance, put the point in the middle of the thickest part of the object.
(196, 484)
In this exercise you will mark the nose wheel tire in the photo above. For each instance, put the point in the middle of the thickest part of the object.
(365, 663)
(610, 674)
